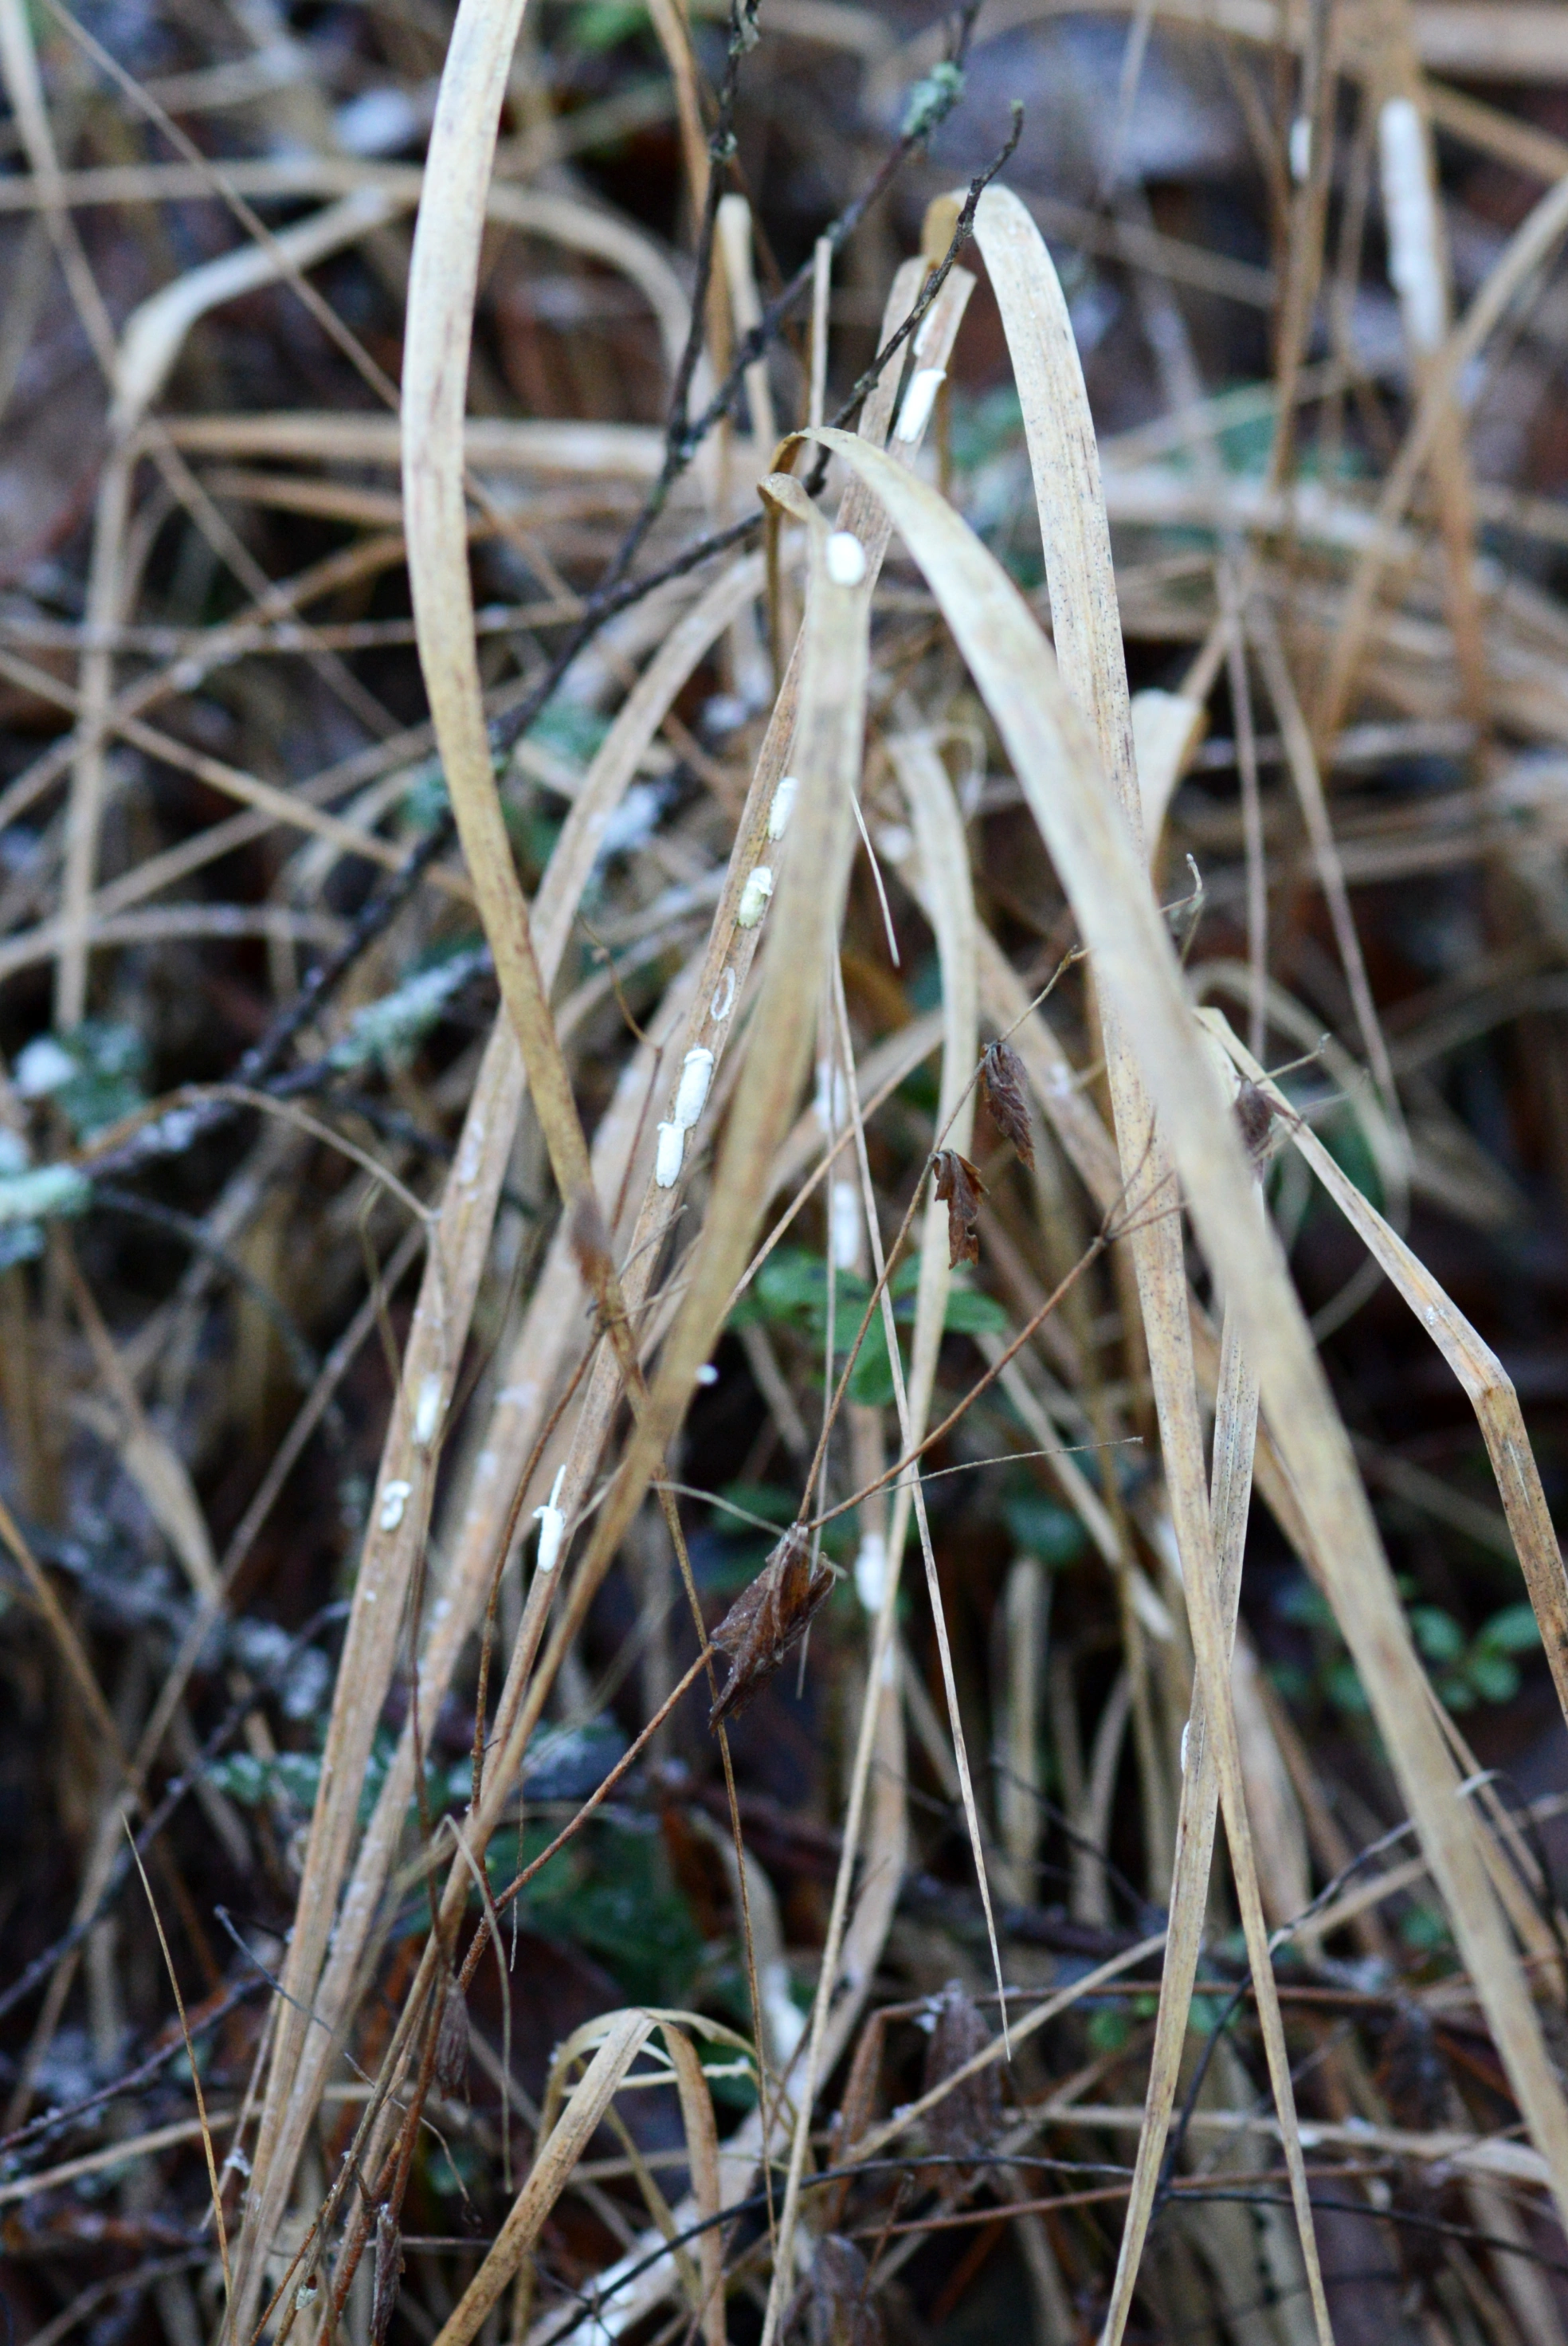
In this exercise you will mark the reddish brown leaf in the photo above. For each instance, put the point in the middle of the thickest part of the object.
(769, 1617)
(959, 1188)
(836, 2298)
(452, 2041)
(968, 2120)
(388, 2277)
(1255, 1115)
(1003, 1078)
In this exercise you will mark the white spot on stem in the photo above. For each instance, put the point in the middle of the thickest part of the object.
(1410, 204)
(846, 558)
(872, 1571)
(427, 1411)
(552, 1522)
(844, 1223)
(783, 805)
(668, 1155)
(691, 1092)
(754, 897)
(395, 1501)
(919, 401)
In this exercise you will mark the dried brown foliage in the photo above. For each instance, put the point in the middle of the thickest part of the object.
(769, 1619)
(504, 897)
(959, 1188)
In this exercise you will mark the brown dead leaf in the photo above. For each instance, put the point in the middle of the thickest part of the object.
(968, 2120)
(1004, 1082)
(959, 1188)
(836, 2298)
(1255, 1115)
(452, 2041)
(388, 2278)
(769, 1617)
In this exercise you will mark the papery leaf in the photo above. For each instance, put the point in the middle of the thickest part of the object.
(968, 2120)
(769, 1617)
(959, 1188)
(1003, 1081)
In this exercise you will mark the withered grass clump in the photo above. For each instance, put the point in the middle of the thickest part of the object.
(781, 786)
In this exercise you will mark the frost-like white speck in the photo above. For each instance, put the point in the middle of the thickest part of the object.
(691, 1093)
(919, 400)
(782, 806)
(845, 558)
(427, 1411)
(754, 897)
(668, 1156)
(395, 1500)
(552, 1522)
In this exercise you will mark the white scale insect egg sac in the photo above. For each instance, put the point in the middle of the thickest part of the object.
(668, 1156)
(1410, 206)
(844, 1220)
(754, 897)
(782, 807)
(552, 1522)
(919, 401)
(691, 1092)
(846, 558)
(427, 1412)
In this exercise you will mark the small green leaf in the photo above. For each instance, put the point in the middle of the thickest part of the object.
(970, 1313)
(1514, 1630)
(1494, 1677)
(1109, 2029)
(1043, 1529)
(1437, 1632)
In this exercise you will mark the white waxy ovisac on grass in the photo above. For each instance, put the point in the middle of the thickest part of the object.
(669, 1155)
(844, 1224)
(872, 1571)
(723, 1001)
(394, 1502)
(845, 558)
(427, 1412)
(1409, 203)
(783, 801)
(919, 401)
(552, 1522)
(1300, 149)
(754, 897)
(691, 1092)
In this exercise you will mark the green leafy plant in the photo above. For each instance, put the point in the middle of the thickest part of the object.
(791, 1290)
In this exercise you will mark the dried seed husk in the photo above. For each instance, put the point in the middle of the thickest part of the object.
(388, 2278)
(969, 2120)
(769, 1617)
(839, 2308)
(1003, 1078)
(452, 2041)
(959, 1188)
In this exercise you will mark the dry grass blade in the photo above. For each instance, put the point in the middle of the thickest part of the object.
(1086, 619)
(445, 1304)
(801, 915)
(468, 1400)
(1530, 244)
(443, 281)
(1487, 1384)
(623, 2036)
(195, 2080)
(1136, 968)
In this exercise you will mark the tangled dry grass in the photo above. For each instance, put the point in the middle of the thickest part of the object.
(783, 875)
